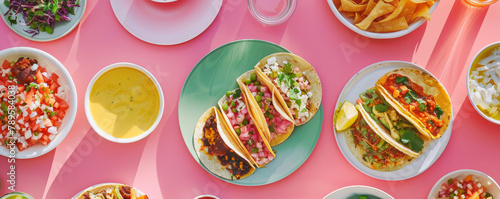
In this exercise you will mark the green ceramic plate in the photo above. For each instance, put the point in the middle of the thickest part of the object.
(60, 29)
(215, 74)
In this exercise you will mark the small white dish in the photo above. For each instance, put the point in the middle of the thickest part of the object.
(65, 80)
(166, 23)
(91, 120)
(485, 180)
(351, 191)
(349, 22)
(479, 56)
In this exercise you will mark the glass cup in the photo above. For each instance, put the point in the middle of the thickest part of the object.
(272, 12)
(480, 3)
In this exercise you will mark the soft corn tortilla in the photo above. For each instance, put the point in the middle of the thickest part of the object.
(309, 73)
(358, 154)
(259, 116)
(107, 187)
(431, 86)
(211, 162)
(235, 138)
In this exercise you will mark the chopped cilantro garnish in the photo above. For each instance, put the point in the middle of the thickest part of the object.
(237, 93)
(413, 140)
(6, 3)
(271, 128)
(408, 98)
(403, 80)
(287, 68)
(255, 150)
(381, 108)
(12, 21)
(303, 110)
(438, 111)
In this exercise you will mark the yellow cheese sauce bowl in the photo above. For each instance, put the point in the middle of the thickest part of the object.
(124, 103)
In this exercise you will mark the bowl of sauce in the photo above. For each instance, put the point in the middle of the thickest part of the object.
(124, 103)
(16, 195)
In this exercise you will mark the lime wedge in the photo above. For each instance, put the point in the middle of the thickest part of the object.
(346, 116)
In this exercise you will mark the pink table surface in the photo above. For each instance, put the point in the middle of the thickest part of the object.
(161, 165)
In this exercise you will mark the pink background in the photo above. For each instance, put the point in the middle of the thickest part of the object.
(161, 165)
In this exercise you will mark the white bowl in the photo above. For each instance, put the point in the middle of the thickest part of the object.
(485, 180)
(65, 80)
(479, 56)
(89, 114)
(346, 192)
(349, 22)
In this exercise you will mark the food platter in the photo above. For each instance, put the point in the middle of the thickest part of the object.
(61, 28)
(215, 74)
(365, 79)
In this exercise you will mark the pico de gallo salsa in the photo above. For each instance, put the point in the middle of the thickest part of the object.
(212, 140)
(293, 85)
(242, 123)
(277, 124)
(464, 188)
(378, 153)
(414, 100)
(37, 101)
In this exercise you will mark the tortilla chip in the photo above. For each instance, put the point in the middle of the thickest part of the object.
(380, 9)
(389, 26)
(364, 1)
(369, 7)
(430, 3)
(336, 3)
(408, 11)
(422, 10)
(350, 14)
(396, 12)
(358, 18)
(351, 6)
(395, 3)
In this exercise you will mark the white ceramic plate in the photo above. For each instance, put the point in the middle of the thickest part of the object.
(479, 56)
(138, 192)
(89, 114)
(349, 22)
(60, 29)
(166, 24)
(485, 180)
(362, 81)
(53, 65)
(353, 192)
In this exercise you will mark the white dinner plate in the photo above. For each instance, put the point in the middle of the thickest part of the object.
(362, 81)
(138, 192)
(166, 23)
(353, 192)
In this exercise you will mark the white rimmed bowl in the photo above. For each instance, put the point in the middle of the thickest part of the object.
(88, 113)
(488, 182)
(479, 56)
(349, 191)
(52, 65)
(349, 22)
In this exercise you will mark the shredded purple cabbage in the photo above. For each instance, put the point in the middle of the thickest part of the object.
(42, 15)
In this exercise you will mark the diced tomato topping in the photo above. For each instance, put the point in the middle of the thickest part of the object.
(5, 64)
